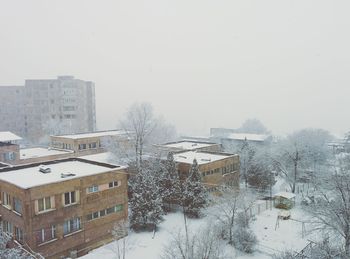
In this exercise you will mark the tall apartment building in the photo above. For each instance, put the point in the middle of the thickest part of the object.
(51, 106)
(65, 207)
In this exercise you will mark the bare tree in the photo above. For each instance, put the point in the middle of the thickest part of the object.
(144, 129)
(122, 243)
(228, 208)
(203, 245)
(331, 208)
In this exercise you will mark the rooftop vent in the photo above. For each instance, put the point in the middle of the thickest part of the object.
(65, 175)
(206, 159)
(44, 169)
(183, 157)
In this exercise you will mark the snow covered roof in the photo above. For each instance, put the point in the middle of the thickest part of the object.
(248, 136)
(29, 176)
(187, 145)
(101, 157)
(201, 157)
(287, 195)
(6, 136)
(94, 134)
(27, 153)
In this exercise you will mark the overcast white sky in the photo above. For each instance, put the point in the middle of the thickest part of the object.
(200, 63)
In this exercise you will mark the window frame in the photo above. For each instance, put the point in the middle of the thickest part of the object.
(70, 199)
(45, 202)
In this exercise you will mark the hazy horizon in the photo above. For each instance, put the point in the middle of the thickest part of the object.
(201, 64)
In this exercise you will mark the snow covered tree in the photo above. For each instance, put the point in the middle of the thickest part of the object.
(301, 151)
(170, 182)
(246, 153)
(203, 245)
(145, 202)
(253, 126)
(230, 212)
(259, 174)
(7, 252)
(194, 194)
(330, 210)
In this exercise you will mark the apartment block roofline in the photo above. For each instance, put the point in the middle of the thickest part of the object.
(28, 176)
(93, 134)
(202, 157)
(6, 136)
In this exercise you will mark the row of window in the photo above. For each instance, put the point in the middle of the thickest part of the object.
(88, 146)
(48, 203)
(223, 170)
(97, 188)
(69, 226)
(103, 213)
(16, 204)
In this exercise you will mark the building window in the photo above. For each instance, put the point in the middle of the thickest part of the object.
(113, 184)
(6, 200)
(19, 234)
(7, 226)
(9, 156)
(82, 146)
(92, 145)
(92, 189)
(71, 225)
(44, 204)
(17, 205)
(70, 198)
(46, 234)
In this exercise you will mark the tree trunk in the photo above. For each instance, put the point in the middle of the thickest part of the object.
(347, 243)
(295, 171)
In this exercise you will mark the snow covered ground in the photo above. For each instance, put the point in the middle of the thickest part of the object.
(287, 236)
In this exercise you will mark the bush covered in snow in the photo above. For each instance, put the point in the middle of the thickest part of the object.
(244, 240)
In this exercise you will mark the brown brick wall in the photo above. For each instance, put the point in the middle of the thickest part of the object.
(6, 149)
(92, 232)
(215, 178)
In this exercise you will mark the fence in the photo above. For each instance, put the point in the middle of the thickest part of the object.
(260, 206)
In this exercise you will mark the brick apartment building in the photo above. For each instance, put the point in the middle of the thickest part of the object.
(215, 168)
(65, 207)
(50, 106)
(9, 148)
(90, 143)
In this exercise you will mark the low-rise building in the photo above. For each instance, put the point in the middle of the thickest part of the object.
(9, 148)
(65, 207)
(90, 143)
(187, 145)
(215, 168)
(235, 140)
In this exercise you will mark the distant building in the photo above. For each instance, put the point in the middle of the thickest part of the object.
(63, 208)
(51, 106)
(233, 139)
(184, 145)
(92, 142)
(215, 168)
(12, 154)
(9, 148)
(236, 139)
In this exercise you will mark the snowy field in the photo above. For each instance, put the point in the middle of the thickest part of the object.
(287, 236)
